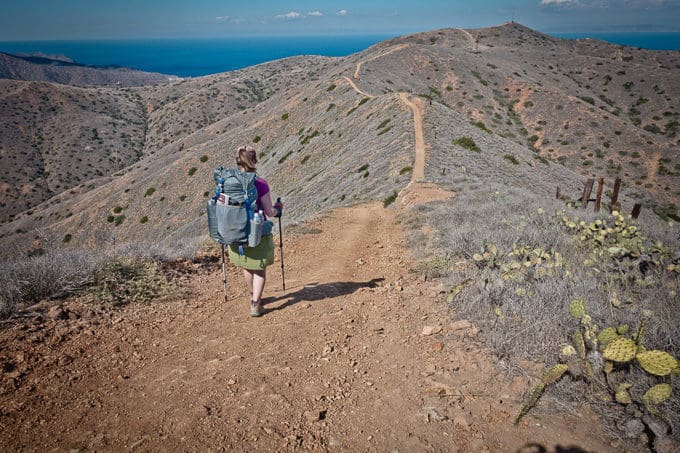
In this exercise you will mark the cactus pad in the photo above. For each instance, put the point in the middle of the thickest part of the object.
(658, 363)
(620, 350)
(606, 336)
(577, 308)
(554, 374)
(622, 396)
(579, 344)
(657, 394)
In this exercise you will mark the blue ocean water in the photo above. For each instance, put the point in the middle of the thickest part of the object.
(195, 57)
(652, 41)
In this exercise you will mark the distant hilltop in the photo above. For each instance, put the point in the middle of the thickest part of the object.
(63, 70)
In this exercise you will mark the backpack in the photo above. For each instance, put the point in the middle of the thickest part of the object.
(231, 210)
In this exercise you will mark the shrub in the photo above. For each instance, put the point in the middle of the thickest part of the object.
(143, 220)
(362, 168)
(364, 100)
(67, 238)
(284, 117)
(304, 160)
(182, 197)
(119, 219)
(257, 139)
(118, 209)
(110, 218)
(192, 171)
(390, 199)
(283, 159)
(467, 143)
(406, 169)
(330, 107)
(204, 158)
(510, 158)
(125, 279)
(331, 87)
(148, 193)
(481, 125)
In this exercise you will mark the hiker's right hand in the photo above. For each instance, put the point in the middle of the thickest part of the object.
(279, 207)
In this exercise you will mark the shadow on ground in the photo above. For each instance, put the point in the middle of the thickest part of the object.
(314, 291)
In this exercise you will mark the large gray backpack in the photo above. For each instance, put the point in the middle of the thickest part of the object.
(232, 207)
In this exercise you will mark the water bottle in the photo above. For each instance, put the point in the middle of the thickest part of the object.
(256, 226)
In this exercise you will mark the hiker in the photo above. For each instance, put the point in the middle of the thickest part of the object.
(254, 260)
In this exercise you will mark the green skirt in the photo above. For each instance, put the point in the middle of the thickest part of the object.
(254, 258)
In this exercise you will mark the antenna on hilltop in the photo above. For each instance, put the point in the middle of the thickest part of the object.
(513, 16)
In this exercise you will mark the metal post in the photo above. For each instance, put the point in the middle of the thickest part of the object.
(615, 195)
(598, 200)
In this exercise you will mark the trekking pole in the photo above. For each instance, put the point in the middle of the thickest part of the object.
(224, 274)
(283, 275)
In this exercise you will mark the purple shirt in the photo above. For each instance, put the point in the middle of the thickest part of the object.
(262, 190)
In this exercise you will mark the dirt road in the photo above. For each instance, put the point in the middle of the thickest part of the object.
(359, 354)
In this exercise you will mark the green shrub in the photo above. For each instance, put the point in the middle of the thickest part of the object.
(330, 107)
(283, 159)
(331, 87)
(364, 100)
(385, 131)
(510, 158)
(390, 199)
(406, 169)
(362, 168)
(110, 218)
(467, 143)
(182, 197)
(257, 139)
(118, 209)
(204, 158)
(304, 160)
(124, 280)
(144, 219)
(192, 171)
(481, 125)
(284, 117)
(148, 193)
(383, 124)
(67, 239)
(119, 219)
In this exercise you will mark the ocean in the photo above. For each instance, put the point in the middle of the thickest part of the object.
(197, 57)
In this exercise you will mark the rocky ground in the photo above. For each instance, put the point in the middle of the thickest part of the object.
(359, 353)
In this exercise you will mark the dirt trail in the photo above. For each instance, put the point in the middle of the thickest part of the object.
(359, 354)
(474, 45)
(396, 48)
(356, 88)
(417, 108)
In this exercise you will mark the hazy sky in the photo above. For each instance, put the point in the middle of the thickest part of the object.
(92, 19)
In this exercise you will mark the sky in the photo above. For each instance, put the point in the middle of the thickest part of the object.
(27, 20)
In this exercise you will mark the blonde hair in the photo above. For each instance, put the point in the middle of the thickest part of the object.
(246, 158)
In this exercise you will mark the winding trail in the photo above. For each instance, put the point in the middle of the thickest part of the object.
(417, 108)
(356, 88)
(396, 48)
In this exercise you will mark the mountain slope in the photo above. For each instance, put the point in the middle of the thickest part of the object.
(68, 72)
(333, 131)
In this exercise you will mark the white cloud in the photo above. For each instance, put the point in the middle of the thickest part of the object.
(560, 2)
(342, 12)
(315, 14)
(221, 19)
(290, 15)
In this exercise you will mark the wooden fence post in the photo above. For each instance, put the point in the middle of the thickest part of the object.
(557, 193)
(615, 195)
(636, 210)
(587, 190)
(598, 200)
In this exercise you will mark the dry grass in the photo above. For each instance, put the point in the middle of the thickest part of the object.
(527, 316)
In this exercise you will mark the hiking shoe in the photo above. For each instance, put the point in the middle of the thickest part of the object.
(255, 308)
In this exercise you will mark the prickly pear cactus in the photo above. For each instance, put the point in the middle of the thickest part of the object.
(622, 396)
(554, 374)
(577, 308)
(606, 336)
(657, 394)
(658, 363)
(620, 350)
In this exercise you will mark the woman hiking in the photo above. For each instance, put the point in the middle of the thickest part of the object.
(254, 260)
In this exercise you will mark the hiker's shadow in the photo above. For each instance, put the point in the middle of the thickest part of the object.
(314, 291)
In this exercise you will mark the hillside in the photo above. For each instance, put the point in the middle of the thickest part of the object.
(557, 105)
(43, 68)
(470, 292)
